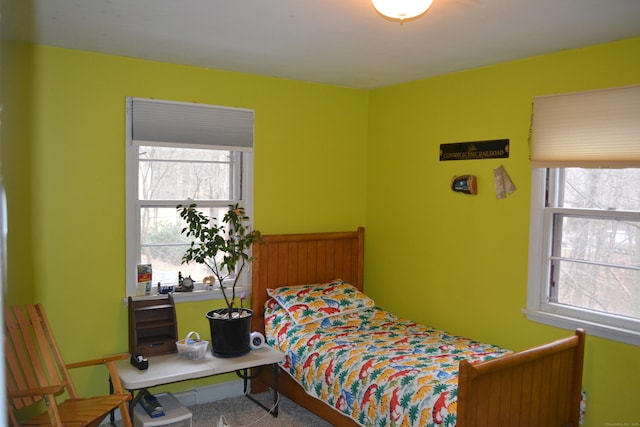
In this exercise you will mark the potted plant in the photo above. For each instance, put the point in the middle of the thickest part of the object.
(224, 250)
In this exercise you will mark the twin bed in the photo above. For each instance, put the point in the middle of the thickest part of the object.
(354, 364)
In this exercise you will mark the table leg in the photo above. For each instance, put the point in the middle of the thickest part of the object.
(135, 398)
(276, 373)
(132, 403)
(244, 374)
(112, 413)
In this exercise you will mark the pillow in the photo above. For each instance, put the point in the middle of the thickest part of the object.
(310, 303)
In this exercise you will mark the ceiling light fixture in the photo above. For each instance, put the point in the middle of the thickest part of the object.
(402, 9)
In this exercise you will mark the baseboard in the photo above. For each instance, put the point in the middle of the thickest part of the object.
(198, 395)
(210, 393)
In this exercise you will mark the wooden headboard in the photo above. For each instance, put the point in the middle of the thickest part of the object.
(299, 259)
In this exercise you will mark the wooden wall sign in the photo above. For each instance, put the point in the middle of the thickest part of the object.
(493, 149)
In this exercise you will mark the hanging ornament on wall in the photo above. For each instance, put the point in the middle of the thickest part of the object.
(504, 184)
(466, 184)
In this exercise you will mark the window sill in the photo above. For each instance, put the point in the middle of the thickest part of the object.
(596, 329)
(196, 295)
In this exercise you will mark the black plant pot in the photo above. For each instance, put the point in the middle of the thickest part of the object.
(229, 337)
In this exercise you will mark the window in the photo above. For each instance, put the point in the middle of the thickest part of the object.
(584, 258)
(181, 153)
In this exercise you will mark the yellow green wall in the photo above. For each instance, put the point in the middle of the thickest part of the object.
(15, 165)
(326, 158)
(459, 262)
(310, 159)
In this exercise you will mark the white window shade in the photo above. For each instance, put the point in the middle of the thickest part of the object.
(165, 123)
(587, 129)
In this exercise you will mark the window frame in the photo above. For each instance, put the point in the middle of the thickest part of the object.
(242, 182)
(539, 309)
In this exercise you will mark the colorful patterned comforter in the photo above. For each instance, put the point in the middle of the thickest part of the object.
(374, 367)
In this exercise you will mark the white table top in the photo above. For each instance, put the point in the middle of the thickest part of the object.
(172, 368)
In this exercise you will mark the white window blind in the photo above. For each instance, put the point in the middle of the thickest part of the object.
(587, 129)
(165, 123)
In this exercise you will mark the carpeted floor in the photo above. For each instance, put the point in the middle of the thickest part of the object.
(241, 412)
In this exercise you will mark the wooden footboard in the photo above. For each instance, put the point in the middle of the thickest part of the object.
(536, 387)
(540, 386)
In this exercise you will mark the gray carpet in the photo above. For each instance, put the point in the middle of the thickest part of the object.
(241, 412)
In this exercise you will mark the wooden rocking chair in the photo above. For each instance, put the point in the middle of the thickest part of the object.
(35, 371)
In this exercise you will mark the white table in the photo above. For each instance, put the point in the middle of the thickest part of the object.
(172, 368)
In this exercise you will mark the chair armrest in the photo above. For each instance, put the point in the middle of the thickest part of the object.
(110, 362)
(102, 361)
(38, 391)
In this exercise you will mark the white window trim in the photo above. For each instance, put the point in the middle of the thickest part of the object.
(195, 295)
(132, 236)
(538, 309)
(133, 232)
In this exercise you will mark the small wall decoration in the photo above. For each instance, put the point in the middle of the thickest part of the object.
(464, 184)
(493, 149)
(503, 183)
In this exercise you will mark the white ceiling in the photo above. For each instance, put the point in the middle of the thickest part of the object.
(339, 42)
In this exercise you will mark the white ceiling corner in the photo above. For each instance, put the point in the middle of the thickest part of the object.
(338, 42)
